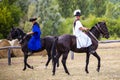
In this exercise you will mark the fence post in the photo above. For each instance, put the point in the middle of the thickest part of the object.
(72, 55)
(9, 57)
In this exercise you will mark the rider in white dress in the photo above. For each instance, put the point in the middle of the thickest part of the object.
(82, 39)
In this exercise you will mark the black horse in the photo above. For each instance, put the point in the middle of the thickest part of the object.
(63, 44)
(17, 33)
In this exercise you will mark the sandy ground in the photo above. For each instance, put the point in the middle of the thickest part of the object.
(110, 67)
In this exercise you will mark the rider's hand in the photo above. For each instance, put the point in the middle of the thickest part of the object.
(86, 29)
(30, 33)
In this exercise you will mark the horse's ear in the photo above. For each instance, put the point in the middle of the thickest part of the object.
(12, 27)
(99, 22)
(104, 23)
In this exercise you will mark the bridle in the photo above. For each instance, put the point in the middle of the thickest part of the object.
(93, 36)
(19, 36)
(98, 28)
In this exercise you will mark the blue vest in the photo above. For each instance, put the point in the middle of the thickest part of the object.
(34, 43)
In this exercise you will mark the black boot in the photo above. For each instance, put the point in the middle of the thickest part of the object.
(91, 49)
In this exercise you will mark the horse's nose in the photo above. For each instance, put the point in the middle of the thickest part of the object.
(9, 38)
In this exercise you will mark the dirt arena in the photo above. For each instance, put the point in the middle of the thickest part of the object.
(110, 67)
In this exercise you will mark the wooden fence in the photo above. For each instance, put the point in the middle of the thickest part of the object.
(9, 50)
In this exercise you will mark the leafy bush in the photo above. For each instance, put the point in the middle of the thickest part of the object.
(66, 26)
(9, 16)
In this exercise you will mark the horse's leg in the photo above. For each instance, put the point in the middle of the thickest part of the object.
(58, 56)
(58, 63)
(55, 61)
(25, 62)
(87, 62)
(49, 58)
(31, 67)
(25, 57)
(98, 57)
(65, 55)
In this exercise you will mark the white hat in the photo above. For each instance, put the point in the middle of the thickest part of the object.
(77, 12)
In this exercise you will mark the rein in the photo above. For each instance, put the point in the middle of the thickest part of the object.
(94, 36)
(19, 36)
(97, 27)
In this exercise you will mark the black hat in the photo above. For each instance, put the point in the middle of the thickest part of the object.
(77, 14)
(32, 19)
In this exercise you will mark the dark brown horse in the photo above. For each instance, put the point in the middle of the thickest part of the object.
(63, 44)
(17, 33)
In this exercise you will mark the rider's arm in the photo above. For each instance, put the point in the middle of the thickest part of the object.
(30, 33)
(83, 28)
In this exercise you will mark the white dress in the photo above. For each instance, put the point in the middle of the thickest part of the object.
(82, 39)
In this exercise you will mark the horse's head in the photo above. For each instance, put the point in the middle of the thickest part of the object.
(102, 28)
(15, 33)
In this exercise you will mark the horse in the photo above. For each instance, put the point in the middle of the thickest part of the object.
(64, 43)
(17, 33)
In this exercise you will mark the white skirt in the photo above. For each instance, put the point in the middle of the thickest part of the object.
(83, 41)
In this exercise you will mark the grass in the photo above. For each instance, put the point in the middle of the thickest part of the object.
(110, 67)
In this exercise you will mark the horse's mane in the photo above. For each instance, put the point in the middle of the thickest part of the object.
(20, 30)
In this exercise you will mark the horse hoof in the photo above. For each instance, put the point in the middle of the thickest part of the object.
(32, 67)
(98, 70)
(68, 73)
(87, 72)
(45, 67)
(53, 74)
(24, 69)
(57, 65)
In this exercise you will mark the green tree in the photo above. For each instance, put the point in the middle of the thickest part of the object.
(9, 16)
(113, 11)
(48, 16)
(66, 7)
(99, 7)
(84, 6)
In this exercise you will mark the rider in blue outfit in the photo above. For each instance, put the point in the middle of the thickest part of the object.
(34, 43)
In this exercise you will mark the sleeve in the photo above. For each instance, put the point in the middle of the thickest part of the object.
(78, 24)
(36, 29)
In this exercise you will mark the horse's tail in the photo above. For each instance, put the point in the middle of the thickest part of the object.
(54, 48)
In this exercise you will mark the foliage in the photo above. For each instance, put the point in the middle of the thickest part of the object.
(56, 16)
(113, 11)
(84, 6)
(66, 26)
(48, 16)
(96, 7)
(99, 7)
(66, 7)
(9, 16)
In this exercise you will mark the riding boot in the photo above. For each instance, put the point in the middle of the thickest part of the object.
(91, 49)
